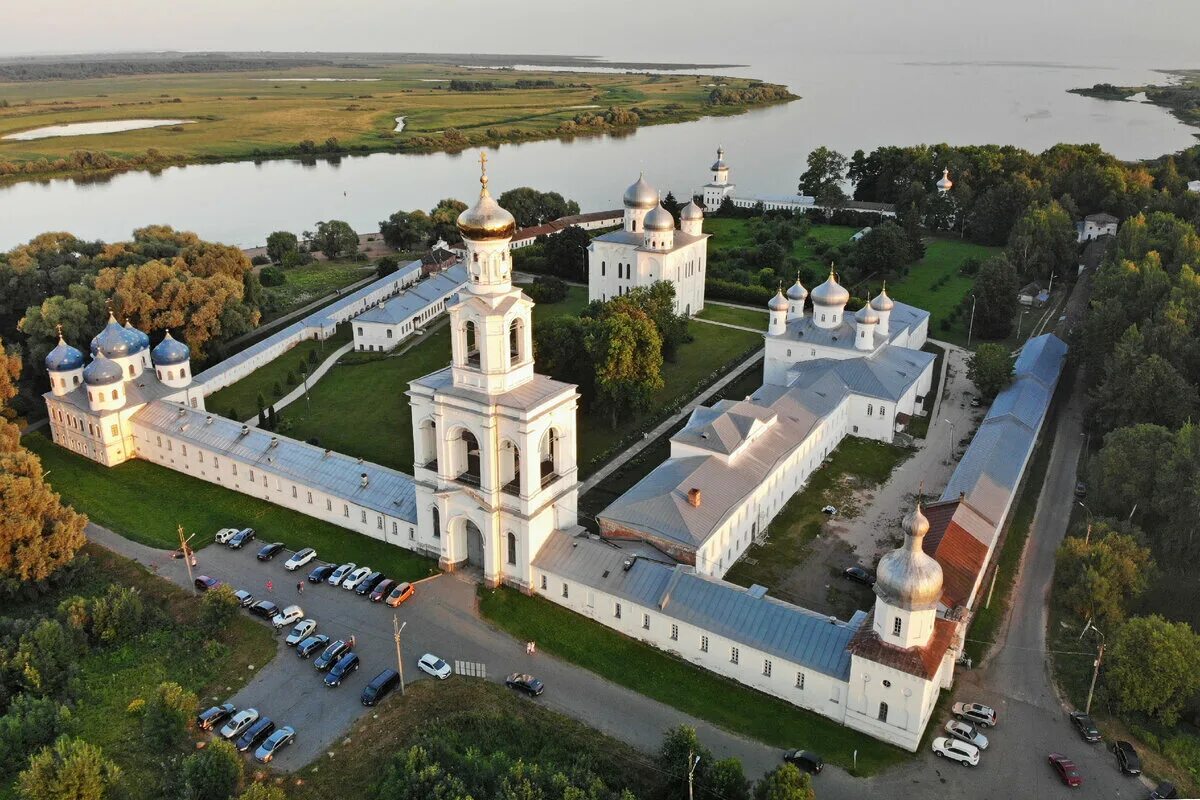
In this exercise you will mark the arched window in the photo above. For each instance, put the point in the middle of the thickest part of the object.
(471, 342)
(516, 341)
(183, 372)
(548, 455)
(158, 372)
(74, 380)
(883, 712)
(437, 524)
(512, 548)
(870, 409)
(131, 370)
(114, 394)
(896, 624)
(170, 374)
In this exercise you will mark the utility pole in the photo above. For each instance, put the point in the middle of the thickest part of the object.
(1088, 537)
(951, 436)
(693, 762)
(397, 627)
(187, 557)
(1087, 709)
(971, 327)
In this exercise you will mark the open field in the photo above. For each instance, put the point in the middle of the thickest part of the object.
(303, 285)
(254, 114)
(746, 317)
(145, 502)
(734, 234)
(943, 257)
(677, 683)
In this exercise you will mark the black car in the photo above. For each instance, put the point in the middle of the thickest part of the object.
(311, 645)
(525, 683)
(240, 538)
(859, 574)
(1164, 791)
(805, 761)
(331, 654)
(368, 583)
(207, 720)
(321, 573)
(244, 598)
(1087, 729)
(255, 734)
(265, 609)
(269, 551)
(1127, 758)
(379, 687)
(342, 669)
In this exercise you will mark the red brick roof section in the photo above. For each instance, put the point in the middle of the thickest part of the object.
(920, 661)
(962, 556)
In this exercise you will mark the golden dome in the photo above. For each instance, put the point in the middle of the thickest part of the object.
(486, 219)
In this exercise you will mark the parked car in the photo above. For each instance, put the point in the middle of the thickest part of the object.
(352, 580)
(225, 534)
(278, 740)
(207, 720)
(204, 583)
(311, 645)
(1164, 791)
(269, 551)
(241, 720)
(381, 590)
(339, 574)
(368, 583)
(1127, 758)
(245, 599)
(1086, 727)
(976, 402)
(966, 732)
(525, 683)
(299, 559)
(981, 715)
(265, 609)
(859, 574)
(1066, 769)
(953, 749)
(287, 616)
(302, 631)
(434, 666)
(254, 734)
(342, 669)
(400, 593)
(321, 573)
(1081, 489)
(331, 654)
(240, 538)
(830, 510)
(380, 686)
(805, 760)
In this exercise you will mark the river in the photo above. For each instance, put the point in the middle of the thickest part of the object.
(862, 101)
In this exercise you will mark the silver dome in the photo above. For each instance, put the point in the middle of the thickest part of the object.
(907, 577)
(169, 351)
(659, 219)
(63, 358)
(641, 194)
(882, 302)
(778, 302)
(945, 184)
(867, 316)
(102, 372)
(797, 291)
(719, 164)
(691, 212)
(830, 293)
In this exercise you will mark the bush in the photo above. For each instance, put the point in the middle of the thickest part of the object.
(717, 289)
(119, 615)
(277, 390)
(312, 357)
(167, 715)
(70, 763)
(297, 258)
(213, 772)
(386, 266)
(291, 378)
(30, 723)
(548, 289)
(271, 276)
(217, 608)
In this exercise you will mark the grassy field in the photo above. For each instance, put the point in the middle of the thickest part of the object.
(677, 683)
(145, 502)
(943, 257)
(746, 317)
(867, 462)
(303, 285)
(734, 234)
(252, 114)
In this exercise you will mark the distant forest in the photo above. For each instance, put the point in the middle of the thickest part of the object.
(75, 70)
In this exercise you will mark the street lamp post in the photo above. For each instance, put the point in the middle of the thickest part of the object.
(693, 762)
(397, 627)
(971, 327)
(951, 435)
(1020, 322)
(1088, 537)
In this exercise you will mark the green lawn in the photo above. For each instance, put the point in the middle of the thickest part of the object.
(734, 234)
(669, 680)
(145, 502)
(739, 315)
(242, 396)
(303, 285)
(943, 257)
(867, 461)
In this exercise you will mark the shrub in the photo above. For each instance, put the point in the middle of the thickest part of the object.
(548, 289)
(296, 258)
(167, 715)
(217, 608)
(119, 615)
(312, 357)
(277, 390)
(291, 378)
(260, 260)
(271, 276)
(74, 763)
(30, 723)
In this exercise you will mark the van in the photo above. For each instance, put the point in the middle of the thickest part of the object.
(380, 686)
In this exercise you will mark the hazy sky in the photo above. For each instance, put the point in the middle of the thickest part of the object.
(1105, 31)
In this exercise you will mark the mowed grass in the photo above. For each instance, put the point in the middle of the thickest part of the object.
(867, 462)
(735, 315)
(943, 258)
(679, 684)
(146, 502)
(303, 285)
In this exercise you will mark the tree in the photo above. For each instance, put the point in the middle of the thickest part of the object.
(406, 230)
(672, 206)
(1152, 668)
(658, 303)
(271, 276)
(626, 352)
(995, 298)
(560, 351)
(726, 780)
(280, 244)
(1043, 242)
(1101, 574)
(680, 747)
(990, 368)
(336, 239)
(530, 207)
(262, 402)
(1141, 387)
(46, 660)
(386, 266)
(884, 249)
(70, 769)
(785, 782)
(824, 176)
(272, 420)
(217, 608)
(29, 724)
(167, 715)
(1126, 471)
(443, 220)
(212, 773)
(566, 253)
(118, 615)
(261, 791)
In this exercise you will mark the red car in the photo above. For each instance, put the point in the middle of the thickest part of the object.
(1066, 770)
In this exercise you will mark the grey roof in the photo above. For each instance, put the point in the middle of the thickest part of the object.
(416, 298)
(745, 616)
(531, 394)
(805, 330)
(886, 374)
(387, 491)
(138, 391)
(1025, 400)
(622, 236)
(1103, 217)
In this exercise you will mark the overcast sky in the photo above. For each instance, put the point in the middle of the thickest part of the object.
(1104, 31)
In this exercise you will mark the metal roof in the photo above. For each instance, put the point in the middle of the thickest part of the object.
(1025, 400)
(387, 491)
(745, 616)
(529, 395)
(1042, 358)
(887, 374)
(416, 298)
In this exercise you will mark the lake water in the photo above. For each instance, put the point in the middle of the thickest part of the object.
(849, 100)
(92, 128)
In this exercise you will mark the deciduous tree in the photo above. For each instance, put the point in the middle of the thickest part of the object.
(336, 239)
(626, 353)
(443, 219)
(1043, 242)
(785, 782)
(280, 244)
(212, 773)
(1152, 668)
(824, 176)
(70, 769)
(1100, 574)
(406, 230)
(531, 207)
(990, 368)
(995, 298)
(167, 715)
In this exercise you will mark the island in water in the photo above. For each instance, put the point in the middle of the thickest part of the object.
(1181, 97)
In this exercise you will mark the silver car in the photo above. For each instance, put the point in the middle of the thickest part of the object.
(240, 722)
(966, 732)
(274, 743)
(341, 572)
(304, 628)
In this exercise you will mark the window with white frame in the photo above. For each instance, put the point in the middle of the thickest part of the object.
(703, 644)
(674, 633)
(734, 655)
(800, 680)
(645, 622)
(766, 667)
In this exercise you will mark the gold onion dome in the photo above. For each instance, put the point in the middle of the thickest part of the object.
(830, 293)
(907, 577)
(641, 194)
(486, 219)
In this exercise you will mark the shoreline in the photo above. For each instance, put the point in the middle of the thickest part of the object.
(1180, 97)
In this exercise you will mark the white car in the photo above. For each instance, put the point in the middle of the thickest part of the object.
(288, 616)
(299, 559)
(225, 534)
(304, 628)
(953, 749)
(241, 720)
(978, 713)
(340, 573)
(356, 577)
(434, 666)
(966, 732)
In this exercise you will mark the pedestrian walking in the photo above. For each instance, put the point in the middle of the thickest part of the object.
(270, 586)
(352, 641)
(300, 587)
